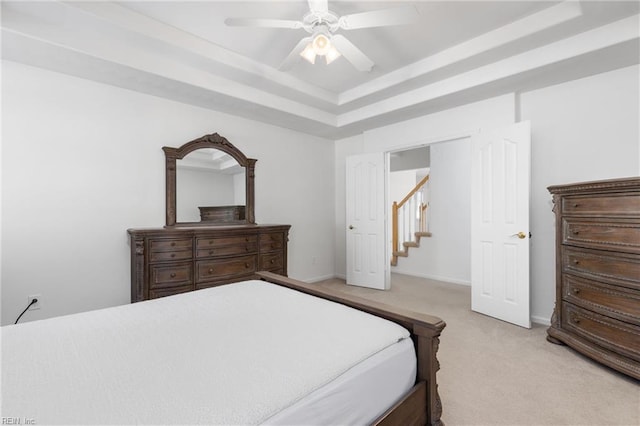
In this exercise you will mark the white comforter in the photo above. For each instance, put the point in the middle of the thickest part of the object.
(235, 354)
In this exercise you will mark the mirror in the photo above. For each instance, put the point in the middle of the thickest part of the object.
(209, 182)
(210, 186)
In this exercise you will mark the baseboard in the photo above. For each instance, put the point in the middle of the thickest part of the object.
(540, 320)
(321, 278)
(436, 278)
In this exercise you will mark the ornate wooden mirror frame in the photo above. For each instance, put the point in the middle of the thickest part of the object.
(208, 141)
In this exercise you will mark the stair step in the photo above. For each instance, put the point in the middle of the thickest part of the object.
(423, 234)
(410, 244)
(401, 253)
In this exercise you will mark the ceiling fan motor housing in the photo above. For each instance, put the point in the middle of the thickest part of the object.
(314, 19)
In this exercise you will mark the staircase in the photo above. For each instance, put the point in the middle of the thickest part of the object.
(409, 221)
(406, 244)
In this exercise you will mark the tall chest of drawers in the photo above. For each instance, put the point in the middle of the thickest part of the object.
(597, 308)
(168, 261)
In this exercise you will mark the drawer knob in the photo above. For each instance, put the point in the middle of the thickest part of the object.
(273, 261)
(173, 255)
(576, 205)
(210, 241)
(246, 265)
(210, 252)
(273, 246)
(173, 244)
(172, 275)
(247, 248)
(576, 261)
(576, 232)
(575, 320)
(576, 290)
(211, 270)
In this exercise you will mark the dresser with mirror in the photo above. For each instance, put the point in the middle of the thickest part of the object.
(211, 236)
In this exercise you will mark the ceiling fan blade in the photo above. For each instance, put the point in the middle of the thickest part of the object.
(294, 55)
(319, 6)
(267, 23)
(379, 18)
(351, 53)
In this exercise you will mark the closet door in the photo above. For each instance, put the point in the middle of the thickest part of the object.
(500, 224)
(367, 254)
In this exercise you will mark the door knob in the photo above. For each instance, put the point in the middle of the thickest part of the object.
(520, 235)
(351, 227)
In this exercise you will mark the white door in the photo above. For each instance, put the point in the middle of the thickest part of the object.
(500, 224)
(367, 254)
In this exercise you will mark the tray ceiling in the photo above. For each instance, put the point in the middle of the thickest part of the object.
(456, 52)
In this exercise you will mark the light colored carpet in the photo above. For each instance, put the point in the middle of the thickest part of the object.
(495, 373)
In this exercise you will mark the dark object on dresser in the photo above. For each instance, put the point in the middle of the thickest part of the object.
(597, 308)
(168, 261)
(222, 214)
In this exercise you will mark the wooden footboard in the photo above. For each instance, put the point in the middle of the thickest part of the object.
(422, 403)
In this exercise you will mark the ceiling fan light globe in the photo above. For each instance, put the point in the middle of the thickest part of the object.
(332, 54)
(309, 53)
(321, 44)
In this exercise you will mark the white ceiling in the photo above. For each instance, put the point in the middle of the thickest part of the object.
(456, 52)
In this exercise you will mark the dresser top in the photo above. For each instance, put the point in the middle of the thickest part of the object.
(202, 229)
(610, 185)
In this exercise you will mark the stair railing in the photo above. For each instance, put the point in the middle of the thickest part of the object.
(409, 215)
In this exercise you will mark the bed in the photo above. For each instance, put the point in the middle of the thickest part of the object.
(255, 352)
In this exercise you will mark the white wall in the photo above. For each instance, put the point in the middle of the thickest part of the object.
(82, 162)
(400, 183)
(582, 130)
(446, 255)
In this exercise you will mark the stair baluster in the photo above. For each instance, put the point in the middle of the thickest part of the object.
(409, 221)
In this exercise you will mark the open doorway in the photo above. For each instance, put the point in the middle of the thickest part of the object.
(409, 199)
(445, 255)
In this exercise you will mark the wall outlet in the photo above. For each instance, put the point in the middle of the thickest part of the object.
(36, 305)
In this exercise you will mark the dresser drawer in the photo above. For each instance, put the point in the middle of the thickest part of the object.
(599, 265)
(212, 251)
(618, 302)
(169, 244)
(619, 336)
(271, 261)
(273, 241)
(162, 292)
(208, 270)
(164, 256)
(608, 235)
(622, 205)
(208, 242)
(170, 275)
(164, 250)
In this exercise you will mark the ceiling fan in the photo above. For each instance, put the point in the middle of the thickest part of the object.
(322, 24)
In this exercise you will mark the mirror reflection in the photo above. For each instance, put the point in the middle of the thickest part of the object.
(210, 187)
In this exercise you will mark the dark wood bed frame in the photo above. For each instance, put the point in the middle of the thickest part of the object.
(421, 405)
